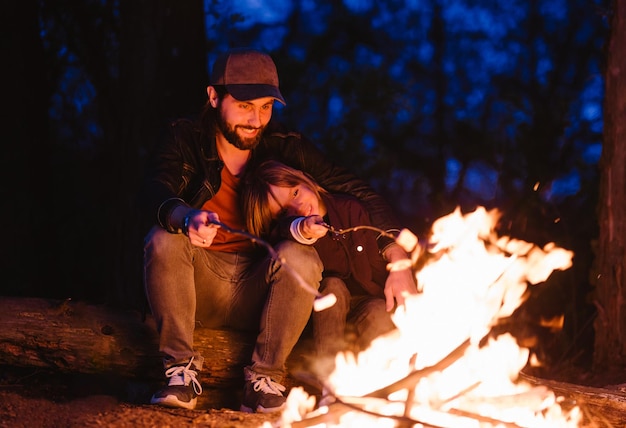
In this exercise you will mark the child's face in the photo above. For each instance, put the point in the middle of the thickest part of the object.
(293, 201)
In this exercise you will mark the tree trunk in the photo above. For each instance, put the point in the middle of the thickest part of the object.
(610, 275)
(26, 161)
(163, 75)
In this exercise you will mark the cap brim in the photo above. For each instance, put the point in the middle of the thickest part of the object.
(254, 91)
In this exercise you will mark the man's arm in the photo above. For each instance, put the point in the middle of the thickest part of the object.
(170, 173)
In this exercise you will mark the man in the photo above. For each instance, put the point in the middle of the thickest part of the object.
(196, 271)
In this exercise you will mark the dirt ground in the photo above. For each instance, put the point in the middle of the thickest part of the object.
(36, 398)
(33, 398)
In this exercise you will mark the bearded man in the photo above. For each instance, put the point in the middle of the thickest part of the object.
(198, 272)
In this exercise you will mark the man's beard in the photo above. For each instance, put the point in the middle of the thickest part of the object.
(231, 135)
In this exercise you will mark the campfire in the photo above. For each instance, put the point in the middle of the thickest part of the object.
(443, 366)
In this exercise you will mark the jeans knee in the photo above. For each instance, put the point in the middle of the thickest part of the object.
(160, 242)
(372, 312)
(337, 287)
(302, 258)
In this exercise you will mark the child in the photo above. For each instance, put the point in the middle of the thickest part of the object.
(282, 202)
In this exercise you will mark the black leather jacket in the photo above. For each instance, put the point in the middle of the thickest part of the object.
(188, 171)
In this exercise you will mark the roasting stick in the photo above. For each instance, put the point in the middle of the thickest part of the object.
(405, 238)
(355, 228)
(321, 301)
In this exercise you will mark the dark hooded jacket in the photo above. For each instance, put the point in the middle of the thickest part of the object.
(353, 256)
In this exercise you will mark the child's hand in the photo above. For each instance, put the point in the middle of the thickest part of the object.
(400, 283)
(313, 227)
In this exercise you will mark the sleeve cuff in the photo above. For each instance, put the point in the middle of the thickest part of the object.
(164, 213)
(294, 228)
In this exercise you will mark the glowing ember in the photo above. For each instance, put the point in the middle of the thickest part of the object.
(439, 368)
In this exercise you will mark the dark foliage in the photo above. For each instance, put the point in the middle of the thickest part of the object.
(485, 103)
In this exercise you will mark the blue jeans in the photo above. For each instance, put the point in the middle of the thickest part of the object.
(366, 316)
(186, 285)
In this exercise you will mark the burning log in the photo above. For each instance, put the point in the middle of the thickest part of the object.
(414, 377)
(465, 405)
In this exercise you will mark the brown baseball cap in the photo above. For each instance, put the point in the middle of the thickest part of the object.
(247, 74)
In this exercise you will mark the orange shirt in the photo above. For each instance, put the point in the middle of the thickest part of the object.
(226, 204)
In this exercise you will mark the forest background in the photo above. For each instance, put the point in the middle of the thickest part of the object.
(437, 103)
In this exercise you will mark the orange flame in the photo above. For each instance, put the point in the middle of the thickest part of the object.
(470, 279)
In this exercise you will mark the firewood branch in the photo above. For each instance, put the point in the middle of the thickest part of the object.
(414, 377)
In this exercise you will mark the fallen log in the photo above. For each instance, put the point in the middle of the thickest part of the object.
(86, 339)
(602, 407)
(93, 339)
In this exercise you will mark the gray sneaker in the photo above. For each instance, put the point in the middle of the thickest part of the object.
(182, 389)
(261, 394)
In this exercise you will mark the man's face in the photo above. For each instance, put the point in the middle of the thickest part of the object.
(242, 122)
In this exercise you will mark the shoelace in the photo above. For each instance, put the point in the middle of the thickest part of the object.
(183, 375)
(268, 386)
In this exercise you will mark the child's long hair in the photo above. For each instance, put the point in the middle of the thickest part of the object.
(255, 192)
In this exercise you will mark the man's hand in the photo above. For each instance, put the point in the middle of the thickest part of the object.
(400, 283)
(200, 227)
